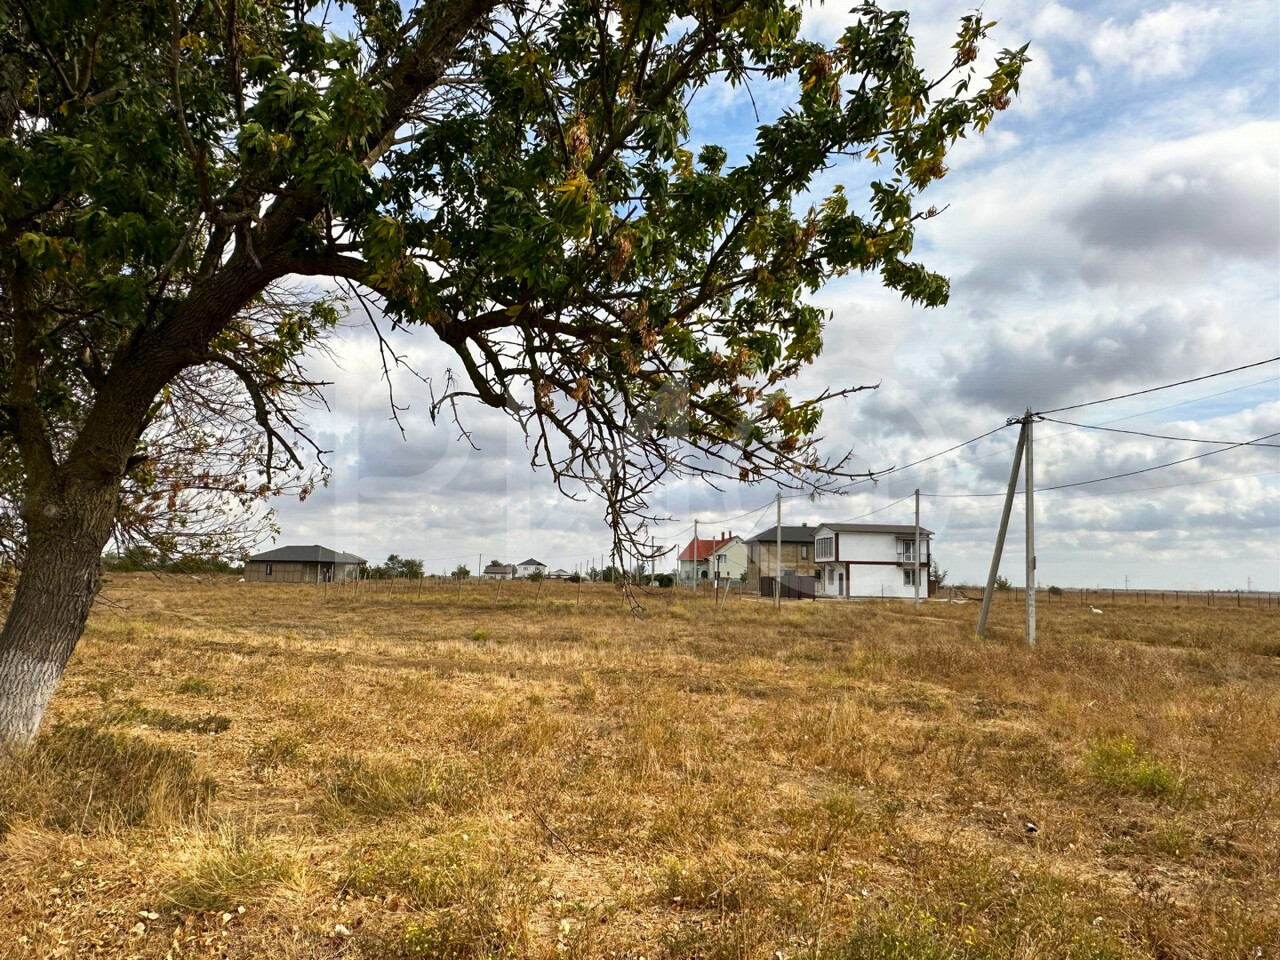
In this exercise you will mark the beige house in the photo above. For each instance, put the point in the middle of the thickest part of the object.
(797, 554)
(313, 564)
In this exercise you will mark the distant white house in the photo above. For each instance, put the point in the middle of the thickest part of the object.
(529, 568)
(498, 571)
(560, 574)
(870, 560)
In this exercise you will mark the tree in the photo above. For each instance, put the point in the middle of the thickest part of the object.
(461, 572)
(1003, 582)
(397, 566)
(936, 573)
(177, 177)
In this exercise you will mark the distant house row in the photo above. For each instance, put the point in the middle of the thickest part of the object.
(317, 564)
(831, 559)
(496, 570)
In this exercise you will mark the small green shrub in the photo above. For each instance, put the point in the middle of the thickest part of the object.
(1118, 763)
(78, 778)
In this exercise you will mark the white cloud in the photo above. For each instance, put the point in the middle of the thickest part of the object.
(1159, 43)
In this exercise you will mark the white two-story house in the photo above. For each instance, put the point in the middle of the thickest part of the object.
(530, 568)
(870, 560)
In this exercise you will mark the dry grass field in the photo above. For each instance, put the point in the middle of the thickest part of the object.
(243, 770)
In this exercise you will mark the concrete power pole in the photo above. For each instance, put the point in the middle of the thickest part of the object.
(916, 576)
(1031, 539)
(1004, 528)
(695, 556)
(777, 580)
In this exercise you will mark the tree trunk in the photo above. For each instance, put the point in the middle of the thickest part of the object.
(61, 574)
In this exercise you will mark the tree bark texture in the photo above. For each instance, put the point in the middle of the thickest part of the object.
(61, 575)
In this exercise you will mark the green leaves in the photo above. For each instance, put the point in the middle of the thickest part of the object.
(526, 183)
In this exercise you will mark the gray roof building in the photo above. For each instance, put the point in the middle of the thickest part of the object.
(800, 534)
(312, 554)
(311, 564)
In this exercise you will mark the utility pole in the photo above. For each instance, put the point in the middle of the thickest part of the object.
(695, 556)
(1031, 539)
(916, 576)
(1126, 583)
(1004, 527)
(777, 580)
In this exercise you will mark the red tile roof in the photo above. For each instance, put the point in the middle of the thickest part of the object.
(706, 547)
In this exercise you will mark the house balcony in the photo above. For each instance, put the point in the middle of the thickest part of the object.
(907, 558)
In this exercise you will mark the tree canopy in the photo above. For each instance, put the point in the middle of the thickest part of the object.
(193, 192)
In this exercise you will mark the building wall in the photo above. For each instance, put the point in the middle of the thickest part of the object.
(296, 572)
(795, 556)
(881, 580)
(280, 572)
(868, 546)
(870, 565)
(732, 561)
(529, 571)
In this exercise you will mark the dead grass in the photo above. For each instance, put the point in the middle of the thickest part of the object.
(524, 775)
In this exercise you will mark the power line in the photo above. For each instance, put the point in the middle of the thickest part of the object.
(1158, 436)
(1163, 486)
(1183, 403)
(1064, 433)
(933, 456)
(1114, 476)
(1158, 466)
(878, 509)
(1138, 393)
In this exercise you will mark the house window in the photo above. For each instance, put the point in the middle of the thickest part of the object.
(755, 556)
(804, 551)
(268, 569)
(826, 548)
(831, 576)
(909, 578)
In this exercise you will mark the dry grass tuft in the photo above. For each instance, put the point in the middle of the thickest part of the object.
(354, 786)
(225, 872)
(82, 779)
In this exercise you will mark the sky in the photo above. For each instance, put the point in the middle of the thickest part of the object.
(1116, 229)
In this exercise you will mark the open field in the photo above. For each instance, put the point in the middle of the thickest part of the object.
(244, 770)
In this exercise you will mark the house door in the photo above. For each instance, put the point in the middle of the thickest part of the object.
(840, 583)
